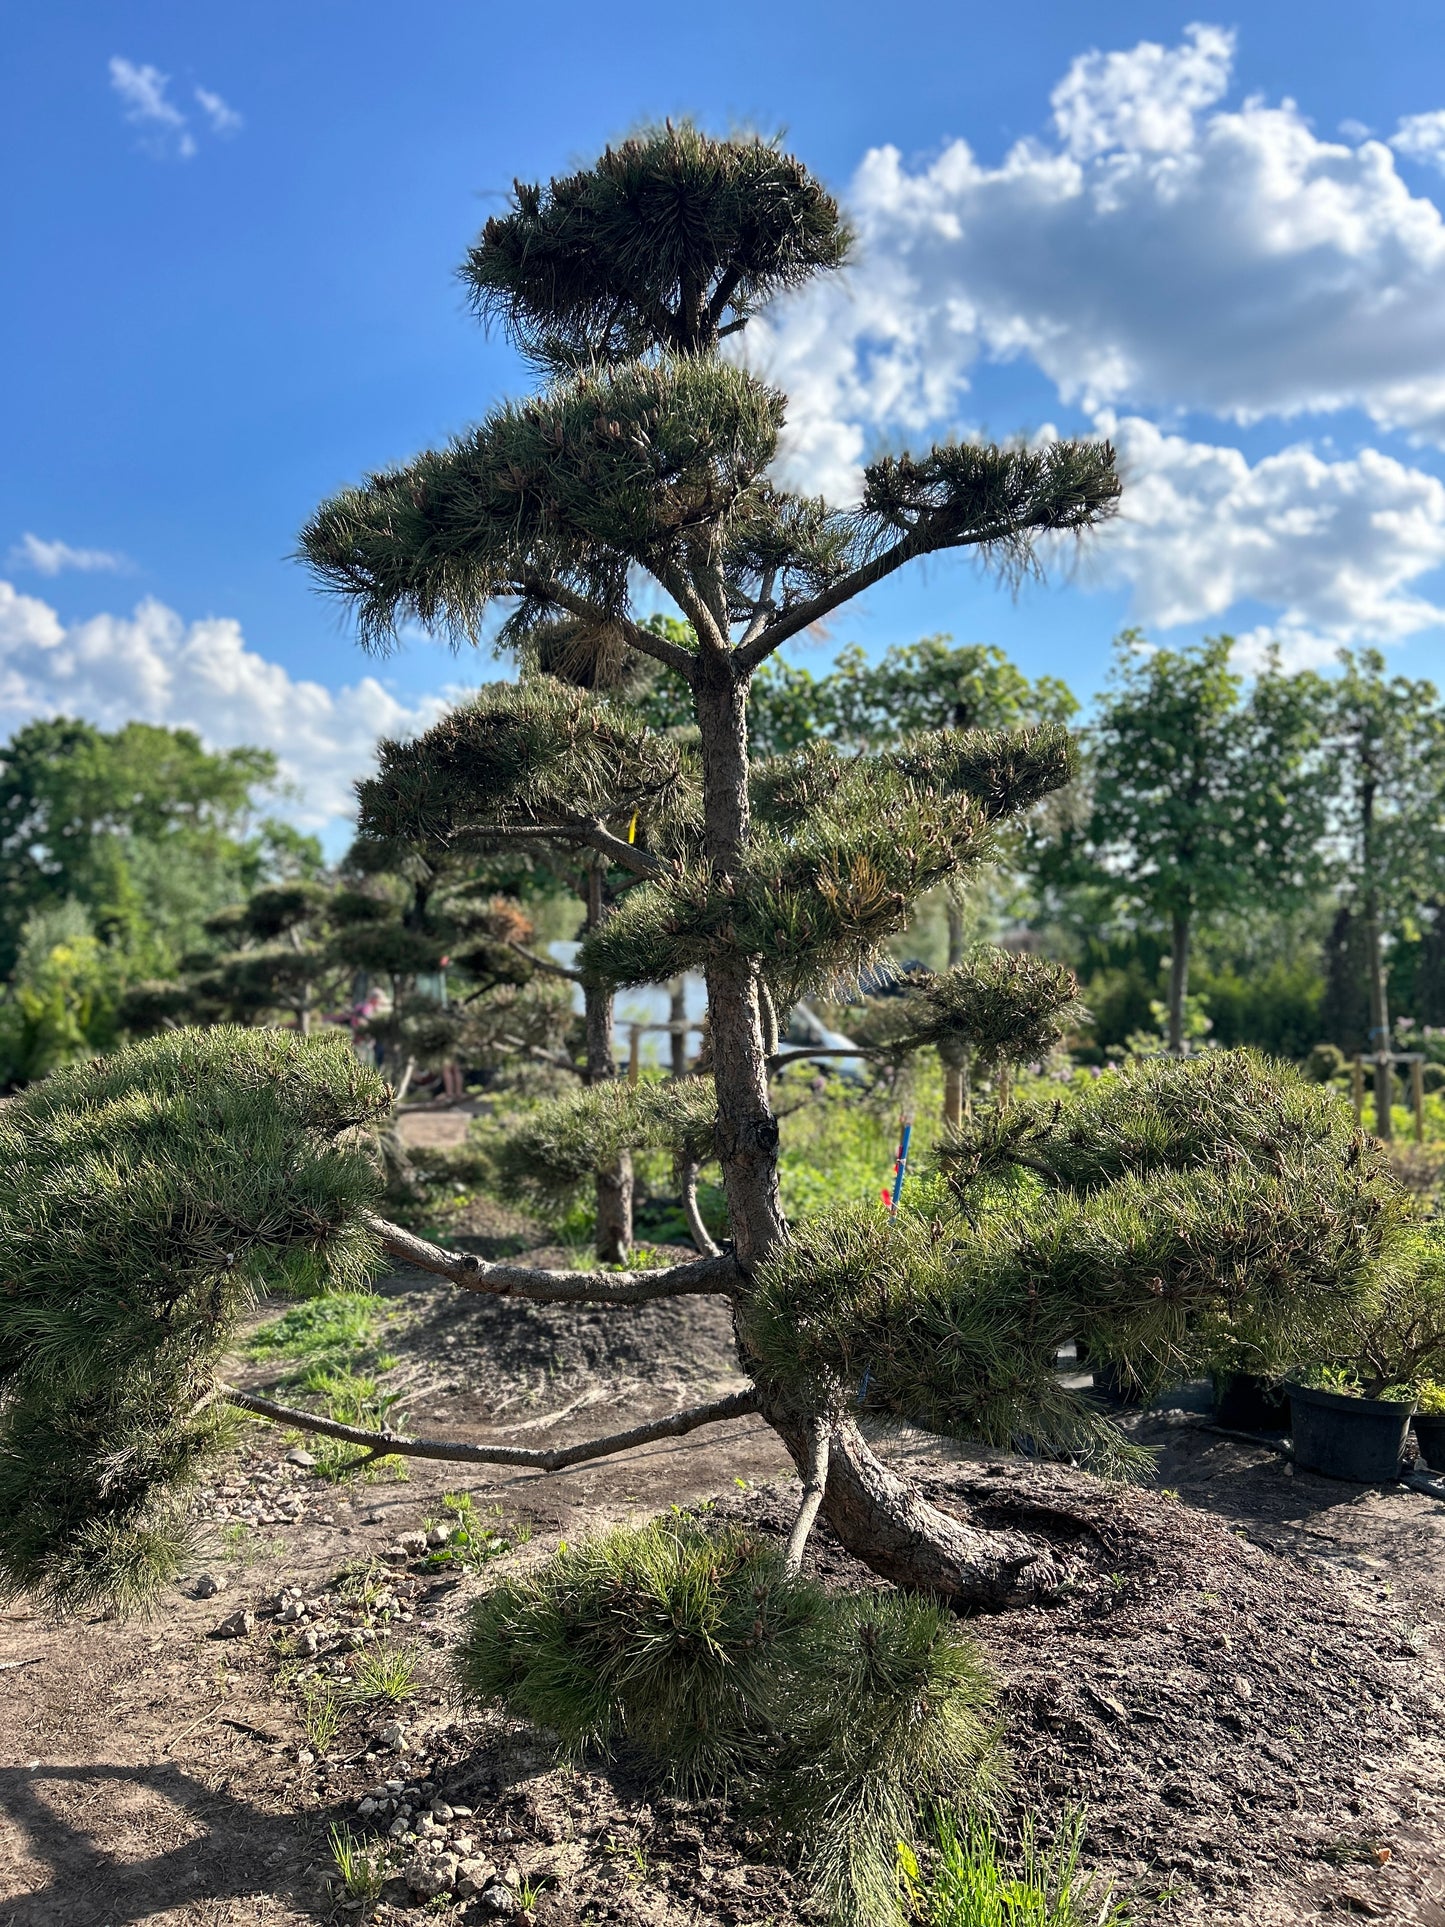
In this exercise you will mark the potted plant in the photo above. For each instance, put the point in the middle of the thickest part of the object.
(1349, 1418)
(1430, 1423)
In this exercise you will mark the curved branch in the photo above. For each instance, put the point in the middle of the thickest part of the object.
(463, 1268)
(638, 638)
(380, 1445)
(803, 614)
(544, 963)
(701, 1236)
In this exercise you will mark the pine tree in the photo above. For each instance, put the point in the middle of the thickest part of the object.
(1179, 1214)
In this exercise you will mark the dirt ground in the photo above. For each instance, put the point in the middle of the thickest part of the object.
(1244, 1689)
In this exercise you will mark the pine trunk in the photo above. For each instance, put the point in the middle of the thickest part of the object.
(614, 1184)
(878, 1517)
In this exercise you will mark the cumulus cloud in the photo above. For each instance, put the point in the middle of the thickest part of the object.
(1421, 137)
(165, 128)
(152, 666)
(49, 558)
(1336, 546)
(1157, 251)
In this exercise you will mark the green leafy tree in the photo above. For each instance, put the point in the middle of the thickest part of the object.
(1182, 1211)
(1203, 797)
(1384, 746)
(145, 829)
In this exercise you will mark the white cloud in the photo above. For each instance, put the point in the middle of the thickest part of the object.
(1422, 138)
(223, 119)
(148, 105)
(166, 129)
(1335, 546)
(49, 558)
(151, 666)
(1146, 99)
(1159, 252)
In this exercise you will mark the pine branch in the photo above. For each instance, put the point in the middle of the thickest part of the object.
(815, 1481)
(701, 1236)
(540, 962)
(720, 1275)
(645, 641)
(380, 1445)
(750, 655)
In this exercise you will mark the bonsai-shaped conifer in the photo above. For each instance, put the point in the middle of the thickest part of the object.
(1182, 1208)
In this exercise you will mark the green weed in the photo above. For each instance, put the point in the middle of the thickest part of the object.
(360, 1874)
(967, 1885)
(320, 1714)
(385, 1675)
(336, 1332)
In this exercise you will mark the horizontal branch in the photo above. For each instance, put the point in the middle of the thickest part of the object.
(589, 832)
(385, 1444)
(544, 963)
(465, 1269)
(625, 855)
(781, 1057)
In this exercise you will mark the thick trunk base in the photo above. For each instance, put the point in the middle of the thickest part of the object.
(887, 1524)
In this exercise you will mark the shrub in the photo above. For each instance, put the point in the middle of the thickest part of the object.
(693, 1650)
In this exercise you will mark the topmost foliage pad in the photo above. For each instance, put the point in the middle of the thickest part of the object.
(145, 1201)
(669, 241)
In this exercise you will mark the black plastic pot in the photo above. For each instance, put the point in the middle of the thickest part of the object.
(1245, 1402)
(1430, 1437)
(1116, 1385)
(1348, 1438)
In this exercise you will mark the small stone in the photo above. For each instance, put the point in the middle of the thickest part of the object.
(393, 1736)
(290, 1612)
(461, 1813)
(396, 1830)
(498, 1902)
(304, 1756)
(208, 1585)
(441, 1811)
(366, 1808)
(438, 1535)
(411, 1543)
(474, 1877)
(298, 1456)
(428, 1878)
(1242, 1687)
(240, 1625)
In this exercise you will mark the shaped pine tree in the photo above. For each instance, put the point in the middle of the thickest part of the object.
(1187, 1212)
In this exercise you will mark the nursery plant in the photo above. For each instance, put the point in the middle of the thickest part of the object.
(1173, 1212)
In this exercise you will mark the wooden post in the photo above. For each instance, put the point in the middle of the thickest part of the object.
(1417, 1096)
(1357, 1089)
(634, 1053)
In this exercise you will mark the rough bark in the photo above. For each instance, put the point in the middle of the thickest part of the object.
(614, 1184)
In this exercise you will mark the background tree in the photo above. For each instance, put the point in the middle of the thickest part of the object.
(1201, 797)
(142, 827)
(1384, 744)
(1182, 1207)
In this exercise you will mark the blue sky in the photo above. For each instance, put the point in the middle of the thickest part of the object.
(231, 239)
